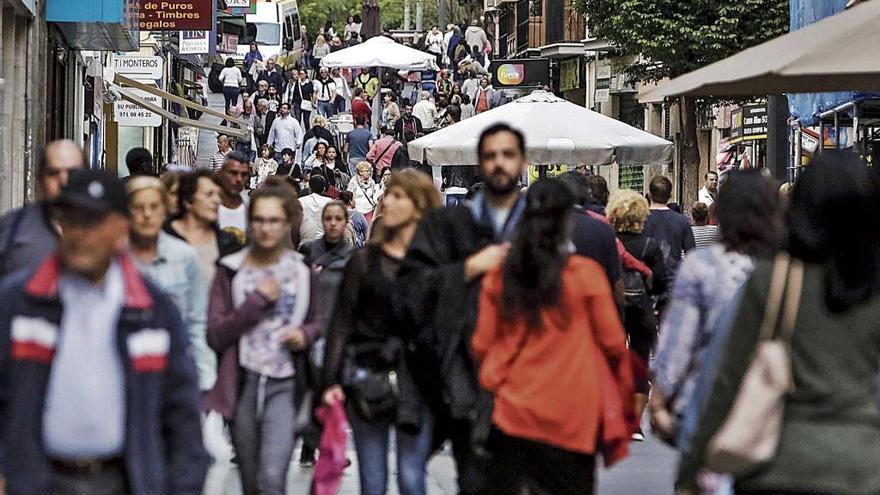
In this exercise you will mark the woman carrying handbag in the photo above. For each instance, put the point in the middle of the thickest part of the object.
(820, 433)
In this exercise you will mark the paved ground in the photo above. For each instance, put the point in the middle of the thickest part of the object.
(208, 139)
(649, 470)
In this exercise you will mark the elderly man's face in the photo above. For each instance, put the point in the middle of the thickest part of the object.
(270, 64)
(61, 158)
(263, 86)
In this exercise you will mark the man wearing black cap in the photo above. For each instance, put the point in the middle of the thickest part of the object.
(94, 364)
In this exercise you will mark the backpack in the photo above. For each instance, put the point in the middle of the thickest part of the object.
(400, 158)
(636, 287)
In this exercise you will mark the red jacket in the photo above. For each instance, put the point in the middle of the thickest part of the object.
(361, 108)
(539, 381)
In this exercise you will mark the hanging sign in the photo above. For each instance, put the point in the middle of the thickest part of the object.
(195, 42)
(176, 15)
(139, 67)
(126, 113)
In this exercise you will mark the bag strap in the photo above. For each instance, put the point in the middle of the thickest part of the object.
(792, 300)
(775, 295)
(379, 158)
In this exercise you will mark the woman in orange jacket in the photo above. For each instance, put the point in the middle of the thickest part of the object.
(547, 319)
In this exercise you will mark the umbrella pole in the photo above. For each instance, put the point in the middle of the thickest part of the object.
(377, 105)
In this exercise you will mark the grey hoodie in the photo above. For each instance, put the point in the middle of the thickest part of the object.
(475, 36)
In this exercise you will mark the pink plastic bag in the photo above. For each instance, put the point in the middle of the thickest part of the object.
(332, 459)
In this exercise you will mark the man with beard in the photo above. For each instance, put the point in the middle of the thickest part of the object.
(442, 272)
(408, 127)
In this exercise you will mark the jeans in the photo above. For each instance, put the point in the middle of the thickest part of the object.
(230, 94)
(518, 463)
(371, 440)
(326, 108)
(263, 433)
(108, 482)
(340, 104)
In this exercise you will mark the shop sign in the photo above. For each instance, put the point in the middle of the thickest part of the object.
(520, 73)
(126, 113)
(139, 67)
(176, 15)
(569, 74)
(748, 123)
(553, 171)
(809, 141)
(241, 7)
(603, 83)
(228, 43)
(195, 42)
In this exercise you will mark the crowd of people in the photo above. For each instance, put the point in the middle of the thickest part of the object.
(284, 107)
(157, 331)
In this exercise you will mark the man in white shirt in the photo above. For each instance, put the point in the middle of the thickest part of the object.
(425, 110)
(311, 227)
(708, 192)
(232, 214)
(285, 132)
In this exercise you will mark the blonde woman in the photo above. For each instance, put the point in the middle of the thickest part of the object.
(321, 50)
(366, 191)
(627, 211)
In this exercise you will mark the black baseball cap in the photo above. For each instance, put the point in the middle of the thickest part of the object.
(96, 191)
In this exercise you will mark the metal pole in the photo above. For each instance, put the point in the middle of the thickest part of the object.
(857, 147)
(798, 151)
(836, 131)
(821, 147)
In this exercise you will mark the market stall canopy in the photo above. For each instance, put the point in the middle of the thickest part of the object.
(556, 131)
(838, 53)
(381, 51)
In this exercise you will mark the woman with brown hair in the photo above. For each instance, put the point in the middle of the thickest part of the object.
(257, 309)
(364, 362)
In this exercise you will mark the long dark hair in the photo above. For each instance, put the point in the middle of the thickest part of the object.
(829, 224)
(339, 163)
(532, 273)
(749, 214)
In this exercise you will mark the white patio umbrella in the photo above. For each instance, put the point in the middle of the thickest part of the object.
(381, 51)
(556, 131)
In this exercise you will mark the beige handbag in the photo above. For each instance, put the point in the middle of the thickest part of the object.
(750, 434)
